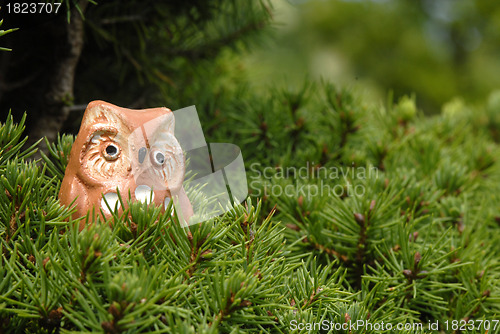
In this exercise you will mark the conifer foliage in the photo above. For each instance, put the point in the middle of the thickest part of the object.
(356, 212)
(413, 241)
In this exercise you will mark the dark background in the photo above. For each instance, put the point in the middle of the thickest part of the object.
(142, 54)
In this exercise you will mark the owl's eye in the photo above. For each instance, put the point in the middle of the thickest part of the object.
(111, 152)
(158, 158)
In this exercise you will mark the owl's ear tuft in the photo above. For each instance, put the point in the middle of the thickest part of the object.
(98, 103)
(101, 112)
(159, 128)
(169, 122)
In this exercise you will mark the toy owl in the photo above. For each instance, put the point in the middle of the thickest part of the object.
(131, 151)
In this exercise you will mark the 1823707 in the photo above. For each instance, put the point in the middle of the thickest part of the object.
(33, 7)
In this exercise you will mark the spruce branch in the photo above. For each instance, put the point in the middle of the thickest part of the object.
(5, 32)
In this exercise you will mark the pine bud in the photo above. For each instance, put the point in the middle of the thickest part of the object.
(207, 254)
(55, 315)
(292, 227)
(460, 226)
(113, 310)
(45, 261)
(108, 327)
(360, 219)
(416, 259)
(245, 303)
(300, 200)
(408, 273)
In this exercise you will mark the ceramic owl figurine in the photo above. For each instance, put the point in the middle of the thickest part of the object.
(134, 152)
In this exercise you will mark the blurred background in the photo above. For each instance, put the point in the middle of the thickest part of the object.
(142, 54)
(436, 49)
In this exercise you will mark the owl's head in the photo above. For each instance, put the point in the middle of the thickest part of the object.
(132, 150)
(101, 144)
